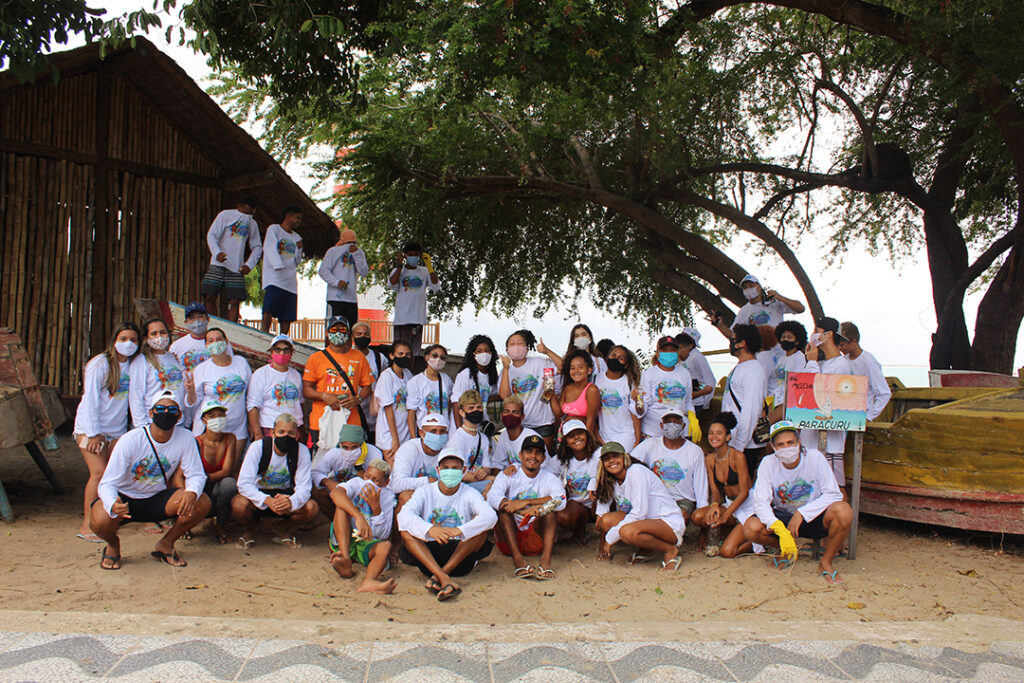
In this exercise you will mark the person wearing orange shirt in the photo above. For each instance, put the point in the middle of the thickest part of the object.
(324, 384)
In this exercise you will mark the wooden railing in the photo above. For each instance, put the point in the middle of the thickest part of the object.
(311, 331)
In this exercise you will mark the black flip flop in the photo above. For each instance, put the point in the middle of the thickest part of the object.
(433, 586)
(116, 561)
(448, 592)
(164, 557)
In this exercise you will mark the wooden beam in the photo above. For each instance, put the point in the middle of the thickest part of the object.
(250, 180)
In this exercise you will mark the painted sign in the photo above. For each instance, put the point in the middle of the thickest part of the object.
(816, 401)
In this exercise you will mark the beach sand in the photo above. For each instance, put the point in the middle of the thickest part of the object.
(903, 572)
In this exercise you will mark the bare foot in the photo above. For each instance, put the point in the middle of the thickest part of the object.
(342, 564)
(670, 554)
(386, 587)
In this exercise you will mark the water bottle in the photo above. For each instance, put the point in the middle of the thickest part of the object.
(548, 385)
(639, 399)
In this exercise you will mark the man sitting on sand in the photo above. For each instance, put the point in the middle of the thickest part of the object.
(136, 484)
(523, 501)
(444, 526)
(345, 461)
(363, 509)
(796, 496)
(275, 482)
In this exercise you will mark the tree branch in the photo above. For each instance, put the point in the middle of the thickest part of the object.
(593, 179)
(871, 167)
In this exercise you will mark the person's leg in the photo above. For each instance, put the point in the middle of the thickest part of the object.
(457, 564)
(838, 519)
(416, 339)
(288, 311)
(378, 561)
(735, 543)
(607, 521)
(651, 534)
(106, 528)
(342, 530)
(349, 310)
(507, 530)
(323, 501)
(210, 301)
(573, 517)
(182, 523)
(95, 463)
(548, 531)
(243, 512)
(425, 559)
(221, 494)
(699, 517)
(756, 532)
(210, 288)
(306, 513)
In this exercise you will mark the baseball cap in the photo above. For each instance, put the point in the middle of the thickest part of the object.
(450, 452)
(338, 320)
(693, 334)
(830, 325)
(749, 278)
(531, 442)
(282, 338)
(667, 340)
(781, 426)
(211, 404)
(673, 411)
(434, 420)
(612, 448)
(195, 307)
(161, 395)
(572, 425)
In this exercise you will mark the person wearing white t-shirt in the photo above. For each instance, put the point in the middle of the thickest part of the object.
(282, 254)
(227, 238)
(275, 482)
(377, 362)
(444, 527)
(795, 496)
(578, 459)
(392, 393)
(363, 510)
(770, 356)
(471, 442)
(137, 484)
(581, 338)
(619, 385)
(679, 463)
(191, 348)
(697, 365)
(410, 280)
(667, 384)
(645, 514)
(792, 338)
(509, 441)
(102, 415)
(745, 389)
(763, 307)
(525, 378)
(416, 459)
(153, 370)
(334, 466)
(524, 501)
(341, 268)
(431, 390)
(863, 363)
(479, 372)
(274, 389)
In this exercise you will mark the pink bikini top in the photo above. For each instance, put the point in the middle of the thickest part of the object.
(578, 408)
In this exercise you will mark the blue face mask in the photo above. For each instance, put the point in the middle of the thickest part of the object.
(668, 358)
(450, 478)
(412, 261)
(435, 442)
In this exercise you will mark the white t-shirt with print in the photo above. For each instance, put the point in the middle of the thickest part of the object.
(411, 295)
(526, 382)
(230, 231)
(664, 389)
(752, 313)
(281, 258)
(615, 421)
(273, 392)
(424, 399)
(227, 385)
(392, 390)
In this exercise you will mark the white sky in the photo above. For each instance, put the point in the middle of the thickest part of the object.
(891, 304)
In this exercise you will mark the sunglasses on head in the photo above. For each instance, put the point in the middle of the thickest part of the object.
(173, 410)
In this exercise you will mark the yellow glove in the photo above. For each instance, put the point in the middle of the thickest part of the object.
(695, 432)
(787, 544)
(427, 262)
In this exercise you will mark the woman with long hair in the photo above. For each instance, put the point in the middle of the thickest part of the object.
(479, 372)
(102, 415)
(153, 370)
(580, 337)
(392, 393)
(730, 492)
(578, 456)
(580, 398)
(619, 386)
(223, 379)
(524, 377)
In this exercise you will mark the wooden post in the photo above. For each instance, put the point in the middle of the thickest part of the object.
(100, 267)
(858, 460)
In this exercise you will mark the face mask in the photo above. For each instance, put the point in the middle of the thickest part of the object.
(615, 365)
(166, 421)
(672, 430)
(197, 325)
(217, 424)
(450, 478)
(511, 421)
(217, 347)
(816, 339)
(734, 349)
(402, 361)
(750, 293)
(337, 338)
(126, 348)
(281, 358)
(581, 343)
(435, 442)
(362, 342)
(475, 416)
(788, 455)
(516, 352)
(668, 358)
(158, 343)
(483, 358)
(437, 363)
(352, 454)
(787, 345)
(412, 261)
(285, 444)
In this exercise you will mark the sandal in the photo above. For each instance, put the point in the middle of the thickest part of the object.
(781, 562)
(245, 543)
(637, 557)
(672, 565)
(167, 557)
(114, 564)
(433, 586)
(448, 592)
(154, 528)
(832, 578)
(544, 574)
(289, 541)
(523, 572)
(89, 538)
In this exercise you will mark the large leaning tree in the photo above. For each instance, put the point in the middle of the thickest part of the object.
(548, 148)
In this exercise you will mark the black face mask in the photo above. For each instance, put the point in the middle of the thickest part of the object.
(615, 365)
(475, 416)
(362, 342)
(166, 421)
(285, 444)
(734, 350)
(403, 361)
(788, 345)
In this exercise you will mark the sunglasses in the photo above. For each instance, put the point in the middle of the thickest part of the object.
(284, 350)
(172, 410)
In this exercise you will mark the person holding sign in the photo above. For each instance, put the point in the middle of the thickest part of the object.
(795, 496)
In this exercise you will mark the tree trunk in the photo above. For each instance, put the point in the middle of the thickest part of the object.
(999, 316)
(951, 346)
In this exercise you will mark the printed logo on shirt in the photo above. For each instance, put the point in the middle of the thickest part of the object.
(239, 229)
(528, 494)
(411, 282)
(670, 391)
(623, 504)
(611, 400)
(513, 457)
(436, 404)
(401, 395)
(794, 493)
(285, 392)
(780, 369)
(576, 483)
(424, 472)
(122, 387)
(274, 478)
(446, 517)
(229, 388)
(347, 259)
(169, 377)
(147, 470)
(760, 317)
(286, 247)
(194, 357)
(524, 386)
(362, 505)
(669, 471)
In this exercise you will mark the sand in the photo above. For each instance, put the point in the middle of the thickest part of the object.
(903, 573)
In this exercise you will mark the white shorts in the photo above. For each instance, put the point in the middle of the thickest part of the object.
(838, 467)
(746, 509)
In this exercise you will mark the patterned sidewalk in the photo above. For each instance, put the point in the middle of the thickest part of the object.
(73, 657)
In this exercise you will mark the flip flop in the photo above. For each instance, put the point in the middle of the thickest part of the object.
(433, 586)
(832, 578)
(89, 538)
(672, 565)
(244, 543)
(115, 565)
(448, 592)
(167, 557)
(523, 572)
(637, 558)
(289, 541)
(155, 528)
(781, 562)
(543, 574)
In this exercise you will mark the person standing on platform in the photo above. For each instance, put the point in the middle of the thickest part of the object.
(412, 277)
(864, 363)
(341, 268)
(230, 231)
(763, 307)
(282, 254)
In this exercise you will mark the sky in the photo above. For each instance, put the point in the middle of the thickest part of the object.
(890, 303)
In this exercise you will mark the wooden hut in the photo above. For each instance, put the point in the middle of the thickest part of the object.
(109, 180)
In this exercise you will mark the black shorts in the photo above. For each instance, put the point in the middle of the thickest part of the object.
(280, 304)
(545, 431)
(812, 529)
(443, 553)
(218, 278)
(349, 309)
(152, 509)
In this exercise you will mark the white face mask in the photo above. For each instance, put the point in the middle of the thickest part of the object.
(581, 343)
(788, 454)
(126, 348)
(483, 358)
(158, 343)
(516, 352)
(217, 424)
(816, 339)
(751, 293)
(437, 363)
(352, 453)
